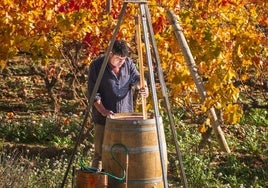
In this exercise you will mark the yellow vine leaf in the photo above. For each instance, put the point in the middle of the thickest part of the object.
(239, 53)
(235, 92)
(246, 63)
(229, 76)
(208, 103)
(232, 113)
(202, 128)
(42, 41)
(218, 105)
(203, 109)
(49, 15)
(2, 64)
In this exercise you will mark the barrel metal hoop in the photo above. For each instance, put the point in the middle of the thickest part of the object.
(127, 129)
(132, 150)
(145, 181)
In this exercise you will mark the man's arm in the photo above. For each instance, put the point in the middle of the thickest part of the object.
(101, 109)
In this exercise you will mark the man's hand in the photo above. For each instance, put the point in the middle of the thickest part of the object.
(99, 106)
(107, 113)
(144, 92)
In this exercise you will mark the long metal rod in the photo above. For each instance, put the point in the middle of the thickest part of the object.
(95, 89)
(165, 95)
(153, 88)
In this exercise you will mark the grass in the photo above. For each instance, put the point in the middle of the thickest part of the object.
(38, 131)
(17, 171)
(246, 166)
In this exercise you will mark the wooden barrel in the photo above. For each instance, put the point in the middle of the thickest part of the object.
(86, 179)
(141, 140)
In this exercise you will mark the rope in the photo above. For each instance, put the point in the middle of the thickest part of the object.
(94, 170)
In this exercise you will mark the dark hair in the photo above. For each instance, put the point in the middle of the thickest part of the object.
(120, 48)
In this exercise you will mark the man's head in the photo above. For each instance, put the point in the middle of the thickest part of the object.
(120, 48)
(119, 53)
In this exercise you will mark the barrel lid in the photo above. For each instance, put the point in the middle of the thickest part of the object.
(133, 118)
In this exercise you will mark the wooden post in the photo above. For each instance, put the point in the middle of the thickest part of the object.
(108, 6)
(141, 69)
(199, 84)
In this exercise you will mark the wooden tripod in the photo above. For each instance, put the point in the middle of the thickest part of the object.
(149, 42)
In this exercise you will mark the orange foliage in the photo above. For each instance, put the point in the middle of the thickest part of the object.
(222, 36)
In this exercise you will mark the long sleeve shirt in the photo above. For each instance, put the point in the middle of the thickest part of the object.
(114, 91)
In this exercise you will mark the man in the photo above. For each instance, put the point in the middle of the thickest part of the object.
(114, 94)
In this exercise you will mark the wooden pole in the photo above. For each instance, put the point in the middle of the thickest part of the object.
(91, 97)
(199, 84)
(140, 58)
(146, 37)
(108, 6)
(127, 163)
(165, 96)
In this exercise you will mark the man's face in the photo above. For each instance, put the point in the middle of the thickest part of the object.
(117, 61)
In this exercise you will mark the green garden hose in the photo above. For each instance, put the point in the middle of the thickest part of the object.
(93, 170)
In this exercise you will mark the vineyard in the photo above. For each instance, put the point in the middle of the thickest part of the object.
(34, 136)
(47, 47)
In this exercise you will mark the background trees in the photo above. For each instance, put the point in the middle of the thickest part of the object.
(55, 40)
(228, 39)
